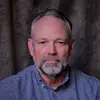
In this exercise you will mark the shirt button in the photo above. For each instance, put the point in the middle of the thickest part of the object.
(54, 93)
(42, 85)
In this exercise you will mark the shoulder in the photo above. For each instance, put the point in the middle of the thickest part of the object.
(20, 75)
(83, 77)
(87, 83)
(10, 86)
(24, 74)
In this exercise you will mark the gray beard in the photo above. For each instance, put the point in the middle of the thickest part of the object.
(52, 71)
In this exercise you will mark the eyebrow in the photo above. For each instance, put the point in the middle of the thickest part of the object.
(58, 39)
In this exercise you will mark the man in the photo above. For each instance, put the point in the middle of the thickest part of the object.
(50, 78)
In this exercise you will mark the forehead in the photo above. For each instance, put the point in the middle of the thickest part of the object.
(49, 25)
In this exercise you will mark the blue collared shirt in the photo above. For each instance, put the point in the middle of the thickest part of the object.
(28, 85)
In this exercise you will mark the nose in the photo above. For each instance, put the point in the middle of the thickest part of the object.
(52, 49)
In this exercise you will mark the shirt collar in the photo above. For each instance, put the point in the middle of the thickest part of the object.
(40, 80)
(37, 74)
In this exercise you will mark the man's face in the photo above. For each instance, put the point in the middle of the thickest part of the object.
(50, 46)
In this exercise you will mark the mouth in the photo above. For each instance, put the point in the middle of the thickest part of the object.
(51, 61)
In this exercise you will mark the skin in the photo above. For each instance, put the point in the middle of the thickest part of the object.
(50, 37)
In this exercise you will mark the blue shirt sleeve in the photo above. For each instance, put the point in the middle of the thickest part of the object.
(7, 90)
(98, 92)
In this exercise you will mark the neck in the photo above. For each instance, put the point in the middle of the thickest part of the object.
(54, 82)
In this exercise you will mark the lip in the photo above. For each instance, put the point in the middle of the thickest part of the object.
(51, 61)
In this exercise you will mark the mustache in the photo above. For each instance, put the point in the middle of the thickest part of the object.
(50, 57)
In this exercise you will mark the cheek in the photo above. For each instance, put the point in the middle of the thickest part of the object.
(63, 53)
(39, 54)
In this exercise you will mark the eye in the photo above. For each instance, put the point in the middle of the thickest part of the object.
(61, 42)
(42, 42)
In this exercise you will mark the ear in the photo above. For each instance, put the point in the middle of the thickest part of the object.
(72, 47)
(30, 46)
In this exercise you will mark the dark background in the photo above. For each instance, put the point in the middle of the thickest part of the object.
(15, 21)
